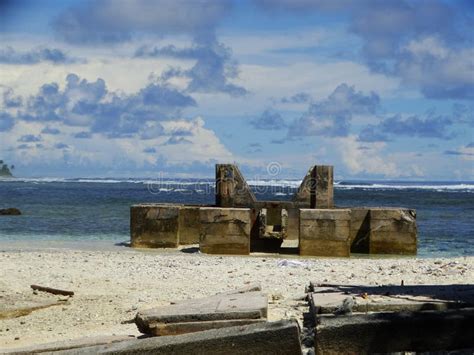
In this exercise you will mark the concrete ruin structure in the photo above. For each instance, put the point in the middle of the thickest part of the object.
(239, 224)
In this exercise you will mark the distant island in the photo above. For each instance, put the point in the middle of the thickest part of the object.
(6, 171)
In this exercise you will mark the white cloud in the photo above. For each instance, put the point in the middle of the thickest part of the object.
(111, 155)
(364, 158)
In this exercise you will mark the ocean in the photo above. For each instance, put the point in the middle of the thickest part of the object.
(93, 210)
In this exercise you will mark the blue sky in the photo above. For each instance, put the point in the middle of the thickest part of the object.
(379, 89)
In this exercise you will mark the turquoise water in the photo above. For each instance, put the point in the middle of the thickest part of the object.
(86, 210)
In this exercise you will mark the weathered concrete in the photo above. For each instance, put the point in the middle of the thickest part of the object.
(322, 193)
(281, 337)
(205, 311)
(393, 231)
(326, 298)
(360, 230)
(231, 188)
(371, 230)
(225, 230)
(325, 232)
(395, 332)
(189, 225)
(154, 226)
(302, 197)
(68, 345)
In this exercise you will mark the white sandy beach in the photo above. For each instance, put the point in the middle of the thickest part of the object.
(110, 286)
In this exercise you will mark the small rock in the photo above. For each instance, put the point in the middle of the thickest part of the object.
(10, 212)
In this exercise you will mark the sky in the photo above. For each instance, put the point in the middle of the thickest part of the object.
(135, 88)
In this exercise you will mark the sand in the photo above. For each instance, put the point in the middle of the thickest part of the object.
(112, 285)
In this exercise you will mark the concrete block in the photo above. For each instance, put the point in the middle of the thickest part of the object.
(323, 196)
(154, 226)
(225, 230)
(393, 231)
(393, 332)
(324, 232)
(205, 313)
(282, 337)
(189, 225)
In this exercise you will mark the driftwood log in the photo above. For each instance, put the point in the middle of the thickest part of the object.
(54, 291)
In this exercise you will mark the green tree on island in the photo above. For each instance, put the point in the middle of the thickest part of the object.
(5, 171)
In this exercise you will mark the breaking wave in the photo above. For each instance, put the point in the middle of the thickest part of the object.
(198, 184)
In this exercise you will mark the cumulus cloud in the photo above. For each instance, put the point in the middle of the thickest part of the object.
(212, 71)
(61, 146)
(9, 55)
(149, 150)
(50, 130)
(104, 21)
(332, 117)
(29, 138)
(9, 99)
(91, 104)
(82, 135)
(367, 160)
(426, 43)
(299, 98)
(6, 121)
(269, 120)
(465, 152)
(128, 156)
(429, 125)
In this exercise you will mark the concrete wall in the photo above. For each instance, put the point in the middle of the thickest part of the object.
(189, 225)
(383, 230)
(360, 230)
(325, 232)
(225, 230)
(154, 226)
(393, 231)
(321, 232)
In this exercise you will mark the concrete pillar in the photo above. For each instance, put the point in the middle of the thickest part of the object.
(393, 231)
(325, 232)
(225, 230)
(322, 187)
(154, 226)
(231, 188)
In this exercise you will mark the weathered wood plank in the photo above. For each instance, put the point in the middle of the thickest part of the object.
(54, 291)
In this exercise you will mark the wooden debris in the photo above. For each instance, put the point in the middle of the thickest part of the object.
(17, 304)
(25, 308)
(54, 291)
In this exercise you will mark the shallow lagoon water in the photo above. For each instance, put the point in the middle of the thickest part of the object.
(96, 211)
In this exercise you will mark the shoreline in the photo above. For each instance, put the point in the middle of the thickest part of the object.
(112, 285)
(123, 244)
